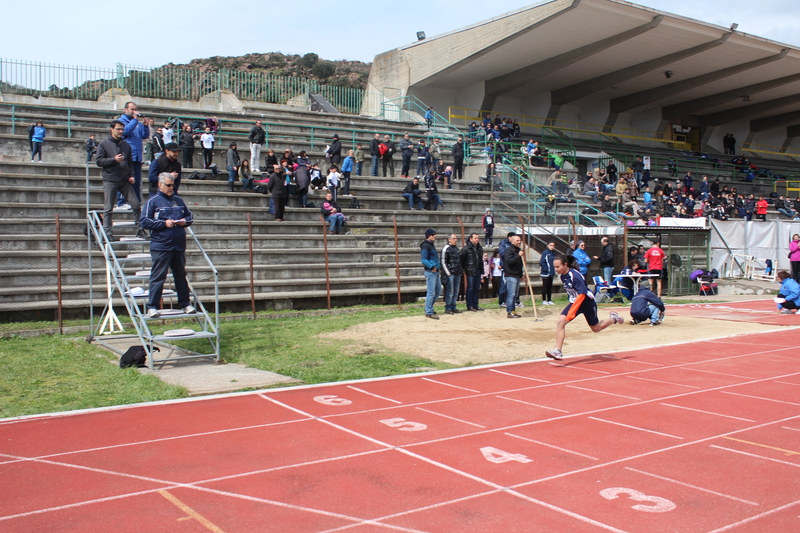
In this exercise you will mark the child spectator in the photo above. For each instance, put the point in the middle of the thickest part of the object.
(90, 147)
(39, 133)
(333, 180)
(360, 157)
(488, 227)
(347, 168)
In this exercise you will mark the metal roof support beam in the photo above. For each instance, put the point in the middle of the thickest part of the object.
(748, 112)
(632, 101)
(776, 121)
(691, 107)
(525, 75)
(494, 46)
(793, 131)
(579, 90)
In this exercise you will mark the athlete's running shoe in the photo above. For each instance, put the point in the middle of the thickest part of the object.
(555, 353)
(616, 318)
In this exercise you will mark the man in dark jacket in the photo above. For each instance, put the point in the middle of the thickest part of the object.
(430, 262)
(277, 187)
(646, 305)
(114, 158)
(512, 273)
(166, 216)
(406, 150)
(412, 193)
(186, 141)
(472, 263)
(334, 152)
(451, 274)
(387, 157)
(606, 259)
(166, 162)
(257, 137)
(375, 153)
(458, 158)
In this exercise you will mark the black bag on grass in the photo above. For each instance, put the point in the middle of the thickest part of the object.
(135, 356)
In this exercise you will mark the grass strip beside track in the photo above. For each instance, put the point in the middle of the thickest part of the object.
(59, 373)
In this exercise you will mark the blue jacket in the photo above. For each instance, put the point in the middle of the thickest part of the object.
(546, 262)
(639, 310)
(133, 133)
(157, 210)
(39, 133)
(791, 290)
(347, 165)
(428, 256)
(583, 260)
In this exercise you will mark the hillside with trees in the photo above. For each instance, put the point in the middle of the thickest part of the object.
(338, 73)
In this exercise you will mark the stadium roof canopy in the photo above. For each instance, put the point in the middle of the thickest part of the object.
(607, 62)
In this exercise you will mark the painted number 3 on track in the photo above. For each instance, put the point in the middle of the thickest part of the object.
(656, 504)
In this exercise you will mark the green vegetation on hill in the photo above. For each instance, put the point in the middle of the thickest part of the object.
(338, 73)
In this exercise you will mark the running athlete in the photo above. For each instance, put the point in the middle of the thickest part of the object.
(581, 301)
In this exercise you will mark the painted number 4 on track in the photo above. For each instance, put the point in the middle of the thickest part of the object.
(656, 504)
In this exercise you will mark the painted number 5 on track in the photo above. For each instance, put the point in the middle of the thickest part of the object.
(657, 504)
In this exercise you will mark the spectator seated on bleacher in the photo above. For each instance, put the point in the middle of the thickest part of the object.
(590, 189)
(785, 207)
(412, 194)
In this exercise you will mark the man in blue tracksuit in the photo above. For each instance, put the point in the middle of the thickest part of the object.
(430, 261)
(166, 216)
(133, 134)
(646, 305)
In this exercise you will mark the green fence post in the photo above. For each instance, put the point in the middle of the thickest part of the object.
(120, 77)
(69, 122)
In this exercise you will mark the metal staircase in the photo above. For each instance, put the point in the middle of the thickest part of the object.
(127, 276)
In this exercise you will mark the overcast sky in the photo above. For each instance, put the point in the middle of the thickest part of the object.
(144, 33)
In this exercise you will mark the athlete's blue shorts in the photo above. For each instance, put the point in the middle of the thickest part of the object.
(588, 309)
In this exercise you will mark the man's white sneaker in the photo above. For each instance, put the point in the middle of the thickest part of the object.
(616, 318)
(555, 353)
(152, 313)
(189, 310)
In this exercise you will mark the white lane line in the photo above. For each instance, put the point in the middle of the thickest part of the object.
(706, 412)
(717, 373)
(86, 502)
(792, 429)
(517, 376)
(603, 392)
(560, 448)
(580, 368)
(375, 395)
(651, 453)
(634, 427)
(787, 383)
(756, 517)
(450, 385)
(533, 404)
(451, 418)
(631, 360)
(755, 455)
(734, 498)
(664, 382)
(758, 397)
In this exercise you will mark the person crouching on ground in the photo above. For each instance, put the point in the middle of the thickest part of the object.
(581, 301)
(646, 305)
(789, 294)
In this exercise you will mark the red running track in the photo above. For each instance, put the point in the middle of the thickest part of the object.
(698, 437)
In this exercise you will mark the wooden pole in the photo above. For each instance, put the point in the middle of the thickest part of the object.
(525, 266)
(327, 268)
(252, 270)
(397, 261)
